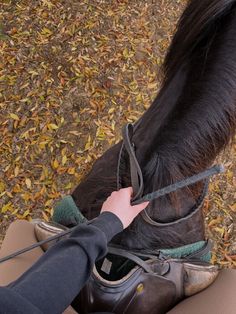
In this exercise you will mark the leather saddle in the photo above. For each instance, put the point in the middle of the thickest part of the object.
(132, 282)
(151, 286)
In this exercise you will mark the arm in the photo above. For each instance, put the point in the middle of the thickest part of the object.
(52, 283)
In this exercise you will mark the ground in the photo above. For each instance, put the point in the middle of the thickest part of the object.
(71, 74)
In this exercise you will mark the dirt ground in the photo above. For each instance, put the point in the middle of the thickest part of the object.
(71, 74)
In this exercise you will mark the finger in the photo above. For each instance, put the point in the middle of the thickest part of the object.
(128, 190)
(140, 207)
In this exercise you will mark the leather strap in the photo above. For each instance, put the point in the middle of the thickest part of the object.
(137, 177)
(158, 255)
(117, 248)
(135, 170)
(137, 260)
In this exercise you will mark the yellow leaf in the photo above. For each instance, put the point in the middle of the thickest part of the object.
(64, 160)
(2, 186)
(55, 164)
(100, 134)
(14, 116)
(15, 124)
(48, 203)
(52, 126)
(15, 212)
(111, 110)
(45, 217)
(215, 221)
(49, 211)
(221, 231)
(139, 98)
(28, 183)
(26, 196)
(128, 54)
(9, 194)
(71, 170)
(47, 3)
(76, 133)
(16, 188)
(26, 213)
(152, 85)
(33, 73)
(16, 171)
(88, 144)
(7, 207)
(69, 186)
(88, 159)
(46, 31)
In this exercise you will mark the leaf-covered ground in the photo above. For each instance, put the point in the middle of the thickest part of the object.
(71, 73)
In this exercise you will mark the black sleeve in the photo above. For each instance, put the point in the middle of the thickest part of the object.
(52, 283)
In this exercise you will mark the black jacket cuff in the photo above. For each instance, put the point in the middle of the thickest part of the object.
(108, 223)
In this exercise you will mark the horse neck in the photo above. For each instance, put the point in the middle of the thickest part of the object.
(195, 118)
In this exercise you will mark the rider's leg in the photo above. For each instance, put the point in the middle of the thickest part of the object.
(19, 235)
(219, 298)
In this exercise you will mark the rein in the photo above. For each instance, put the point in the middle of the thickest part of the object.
(137, 184)
(137, 177)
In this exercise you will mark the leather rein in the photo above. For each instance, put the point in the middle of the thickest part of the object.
(137, 177)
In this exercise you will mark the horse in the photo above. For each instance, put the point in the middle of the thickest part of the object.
(189, 123)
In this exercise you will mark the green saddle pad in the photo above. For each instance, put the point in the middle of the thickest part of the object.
(67, 213)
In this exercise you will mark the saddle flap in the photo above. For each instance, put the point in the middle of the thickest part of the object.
(122, 285)
(199, 277)
(137, 292)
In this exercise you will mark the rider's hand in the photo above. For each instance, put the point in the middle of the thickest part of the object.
(118, 203)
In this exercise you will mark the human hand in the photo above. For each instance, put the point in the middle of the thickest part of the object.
(118, 203)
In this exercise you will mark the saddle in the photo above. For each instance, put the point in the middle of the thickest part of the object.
(125, 283)
(132, 282)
